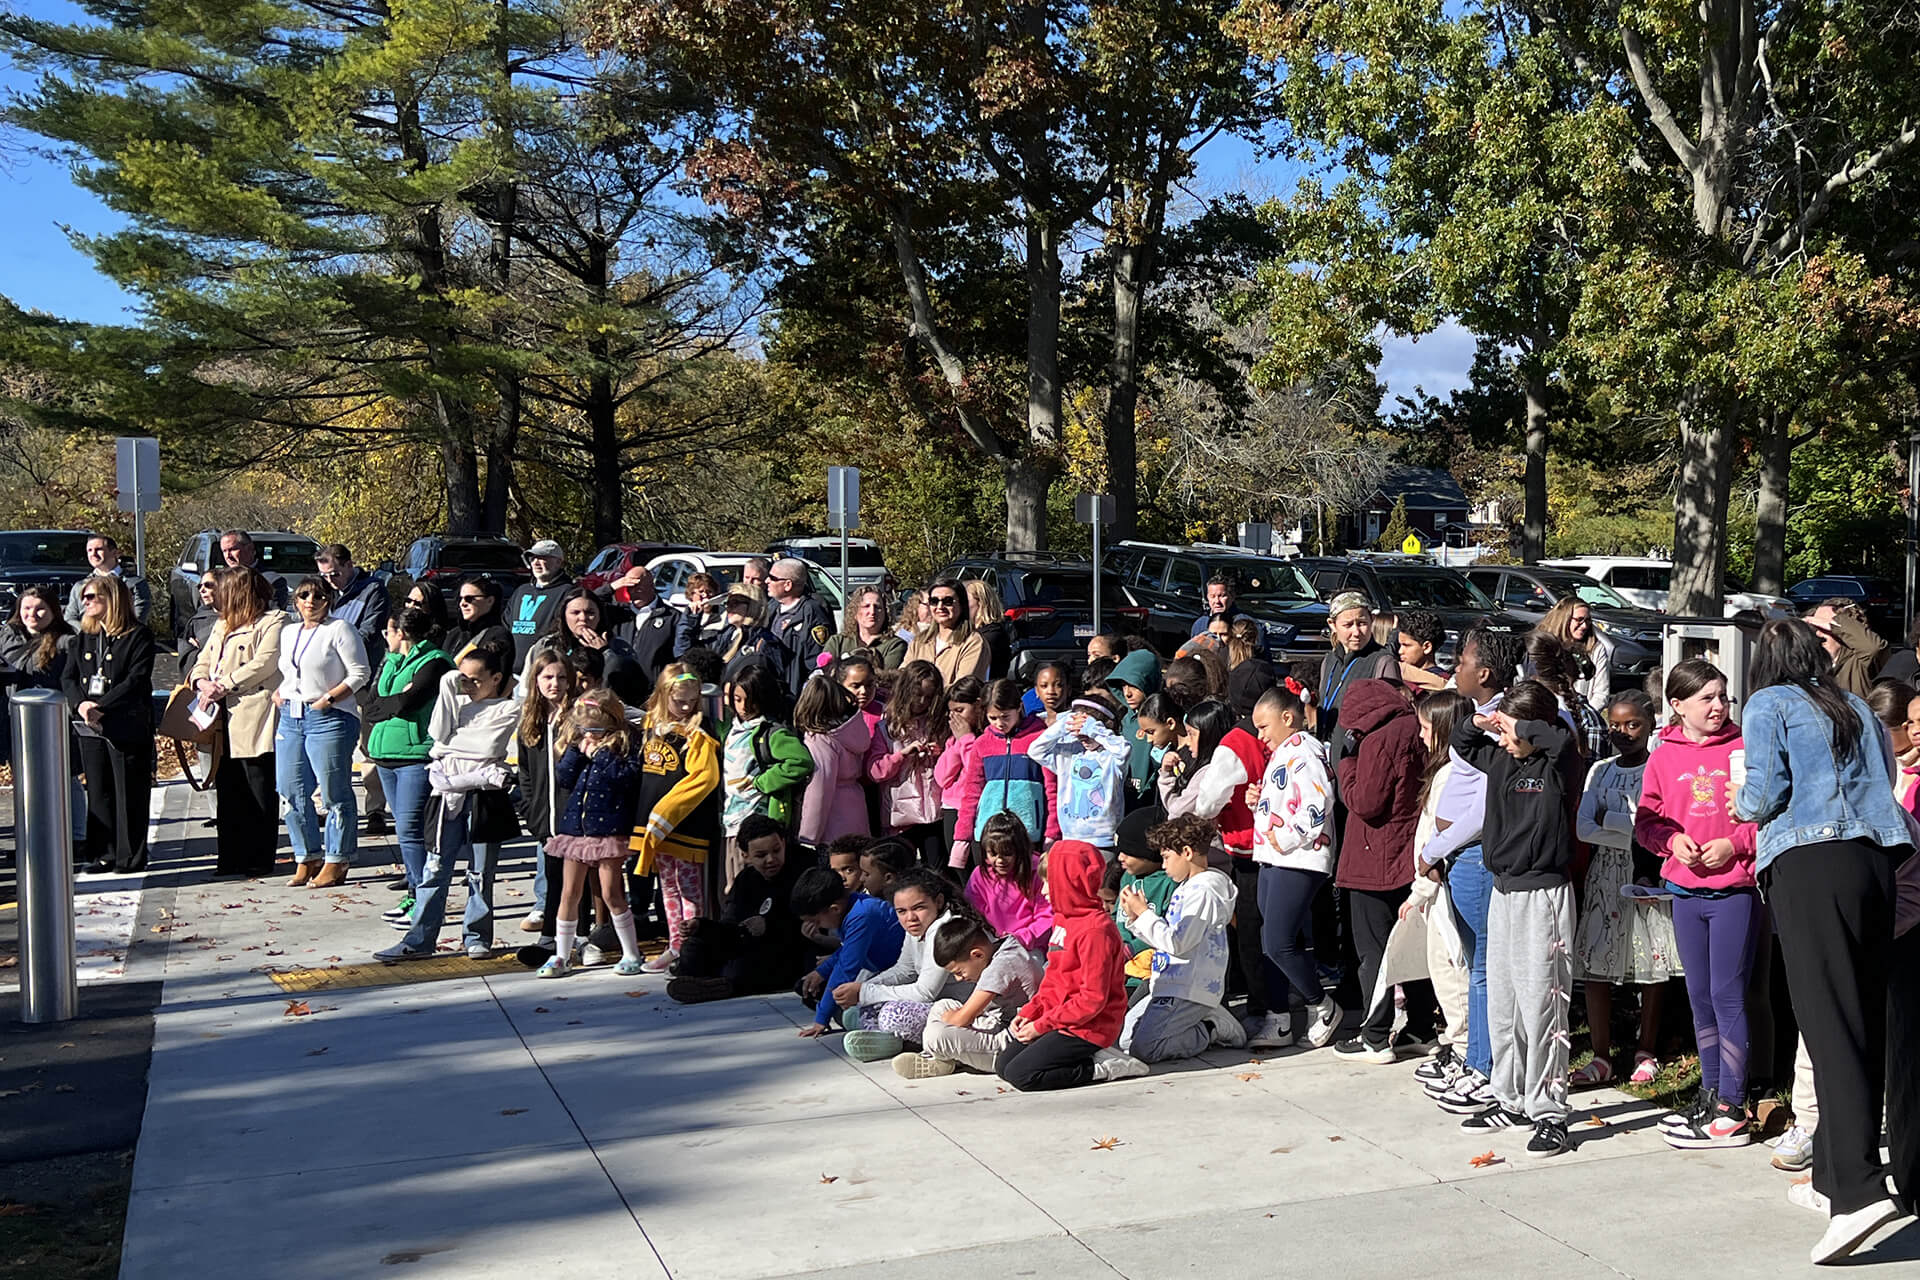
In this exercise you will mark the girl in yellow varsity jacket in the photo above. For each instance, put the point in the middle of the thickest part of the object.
(679, 812)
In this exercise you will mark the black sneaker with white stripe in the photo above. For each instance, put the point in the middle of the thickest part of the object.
(1495, 1117)
(1441, 1066)
(1549, 1139)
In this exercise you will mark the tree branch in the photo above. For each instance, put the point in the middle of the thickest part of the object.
(1793, 238)
(1657, 108)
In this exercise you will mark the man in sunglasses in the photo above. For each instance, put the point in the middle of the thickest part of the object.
(530, 608)
(802, 624)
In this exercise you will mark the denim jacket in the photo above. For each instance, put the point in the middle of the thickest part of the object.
(1800, 791)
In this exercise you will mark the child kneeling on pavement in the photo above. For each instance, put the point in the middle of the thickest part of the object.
(1005, 976)
(1181, 1014)
(1064, 1036)
(756, 945)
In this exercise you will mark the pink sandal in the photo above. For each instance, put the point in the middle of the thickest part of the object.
(1645, 1068)
(1598, 1071)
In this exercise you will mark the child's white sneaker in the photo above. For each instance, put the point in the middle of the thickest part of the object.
(922, 1066)
(1324, 1022)
(1268, 1031)
(1111, 1064)
(1226, 1029)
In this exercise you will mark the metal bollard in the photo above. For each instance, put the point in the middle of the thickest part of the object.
(42, 822)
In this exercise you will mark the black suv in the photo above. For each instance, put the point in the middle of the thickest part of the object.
(1526, 592)
(1172, 583)
(444, 560)
(281, 555)
(1049, 605)
(1395, 583)
(54, 558)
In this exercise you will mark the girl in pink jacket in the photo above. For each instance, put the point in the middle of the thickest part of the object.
(1005, 887)
(915, 731)
(966, 716)
(1685, 819)
(830, 723)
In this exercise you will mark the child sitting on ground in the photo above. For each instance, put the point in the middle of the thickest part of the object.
(1139, 866)
(894, 1003)
(1004, 888)
(755, 946)
(881, 863)
(1064, 1036)
(1005, 976)
(1089, 760)
(844, 857)
(1182, 1014)
(870, 940)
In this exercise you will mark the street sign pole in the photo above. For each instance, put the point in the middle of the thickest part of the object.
(1094, 509)
(843, 512)
(137, 486)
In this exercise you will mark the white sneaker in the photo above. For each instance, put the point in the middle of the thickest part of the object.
(534, 921)
(591, 955)
(660, 963)
(1325, 1024)
(1848, 1231)
(1268, 1031)
(1793, 1150)
(1800, 1192)
(1226, 1029)
(1111, 1064)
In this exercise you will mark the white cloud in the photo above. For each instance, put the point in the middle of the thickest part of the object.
(1438, 364)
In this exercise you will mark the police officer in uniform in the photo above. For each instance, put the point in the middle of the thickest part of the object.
(802, 623)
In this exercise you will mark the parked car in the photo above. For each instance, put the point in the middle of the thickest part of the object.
(1526, 592)
(444, 560)
(1646, 582)
(1049, 605)
(671, 571)
(54, 558)
(612, 561)
(865, 566)
(281, 556)
(1403, 582)
(1171, 582)
(1880, 598)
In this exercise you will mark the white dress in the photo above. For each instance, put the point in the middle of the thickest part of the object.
(1618, 941)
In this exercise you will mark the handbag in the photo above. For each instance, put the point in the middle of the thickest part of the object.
(176, 725)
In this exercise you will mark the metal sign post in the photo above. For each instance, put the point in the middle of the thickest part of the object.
(1256, 535)
(137, 486)
(49, 987)
(843, 512)
(1095, 509)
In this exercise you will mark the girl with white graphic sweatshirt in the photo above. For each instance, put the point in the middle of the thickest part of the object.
(1182, 1014)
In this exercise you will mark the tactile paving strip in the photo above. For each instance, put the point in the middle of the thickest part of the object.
(345, 976)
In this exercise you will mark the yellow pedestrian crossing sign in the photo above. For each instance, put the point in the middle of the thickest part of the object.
(1412, 545)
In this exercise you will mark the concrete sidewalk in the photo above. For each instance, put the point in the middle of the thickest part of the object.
(504, 1126)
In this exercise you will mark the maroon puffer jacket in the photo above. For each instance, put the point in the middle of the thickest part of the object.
(1380, 786)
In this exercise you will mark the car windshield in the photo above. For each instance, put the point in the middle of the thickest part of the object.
(1585, 590)
(285, 555)
(483, 557)
(1060, 587)
(1272, 580)
(1406, 589)
(44, 550)
(829, 557)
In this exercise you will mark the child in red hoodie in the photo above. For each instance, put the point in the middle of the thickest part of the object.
(1064, 1036)
(1707, 863)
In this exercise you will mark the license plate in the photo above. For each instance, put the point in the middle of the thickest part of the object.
(1083, 631)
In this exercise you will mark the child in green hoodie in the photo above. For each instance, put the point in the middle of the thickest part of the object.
(1140, 869)
(1136, 678)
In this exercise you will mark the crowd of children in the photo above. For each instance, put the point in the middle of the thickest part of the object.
(1065, 879)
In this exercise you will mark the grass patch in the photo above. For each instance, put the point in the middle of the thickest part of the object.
(63, 1219)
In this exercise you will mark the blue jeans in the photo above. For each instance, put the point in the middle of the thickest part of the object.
(407, 790)
(1472, 890)
(540, 879)
(318, 748)
(430, 909)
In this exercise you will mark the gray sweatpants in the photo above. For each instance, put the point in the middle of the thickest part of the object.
(1529, 990)
(1163, 1028)
(968, 1046)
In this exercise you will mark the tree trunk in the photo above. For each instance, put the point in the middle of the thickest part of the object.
(506, 421)
(1533, 529)
(462, 463)
(1770, 514)
(603, 414)
(1027, 486)
(500, 447)
(1026, 505)
(1123, 392)
(1700, 511)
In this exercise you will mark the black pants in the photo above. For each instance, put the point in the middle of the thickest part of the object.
(1057, 1060)
(1249, 958)
(755, 966)
(1371, 914)
(1833, 905)
(247, 827)
(929, 840)
(1903, 1066)
(119, 784)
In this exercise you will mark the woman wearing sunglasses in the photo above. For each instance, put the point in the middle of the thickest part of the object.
(322, 663)
(109, 683)
(481, 623)
(948, 639)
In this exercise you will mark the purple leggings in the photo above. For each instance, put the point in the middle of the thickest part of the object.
(1716, 938)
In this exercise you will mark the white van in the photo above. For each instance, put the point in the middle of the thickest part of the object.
(1646, 582)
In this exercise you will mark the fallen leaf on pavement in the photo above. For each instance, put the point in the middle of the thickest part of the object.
(1280, 1151)
(635, 995)
(824, 1178)
(540, 1008)
(1595, 1122)
(1334, 1137)
(1104, 1144)
(297, 1009)
(513, 1111)
(314, 1053)
(1484, 1159)
(1247, 1076)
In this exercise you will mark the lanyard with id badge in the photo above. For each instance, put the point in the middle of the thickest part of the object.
(296, 708)
(97, 682)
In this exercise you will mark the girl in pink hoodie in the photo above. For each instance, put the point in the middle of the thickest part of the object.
(836, 735)
(1005, 888)
(915, 730)
(966, 717)
(1685, 819)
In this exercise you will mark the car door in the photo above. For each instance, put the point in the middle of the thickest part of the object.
(1522, 596)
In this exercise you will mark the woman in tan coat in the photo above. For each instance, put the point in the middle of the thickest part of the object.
(239, 667)
(948, 639)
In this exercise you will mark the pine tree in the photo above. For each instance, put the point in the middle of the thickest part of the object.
(1397, 527)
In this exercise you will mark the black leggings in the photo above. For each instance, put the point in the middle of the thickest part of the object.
(1249, 957)
(1286, 897)
(1057, 1060)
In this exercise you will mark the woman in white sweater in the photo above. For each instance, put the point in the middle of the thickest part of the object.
(322, 664)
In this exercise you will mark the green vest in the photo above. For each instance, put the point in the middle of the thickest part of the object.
(404, 737)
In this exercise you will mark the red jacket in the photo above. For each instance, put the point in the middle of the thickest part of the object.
(1236, 820)
(1084, 990)
(1380, 784)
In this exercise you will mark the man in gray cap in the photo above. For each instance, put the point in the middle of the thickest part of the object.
(530, 608)
(802, 624)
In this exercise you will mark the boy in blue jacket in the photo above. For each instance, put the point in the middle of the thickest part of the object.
(870, 939)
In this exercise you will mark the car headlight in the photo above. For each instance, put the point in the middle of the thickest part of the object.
(1281, 633)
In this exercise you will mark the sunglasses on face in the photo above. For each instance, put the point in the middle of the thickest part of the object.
(308, 596)
(471, 599)
(943, 602)
(89, 595)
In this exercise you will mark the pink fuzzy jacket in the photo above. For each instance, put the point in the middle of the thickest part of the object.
(1013, 912)
(835, 804)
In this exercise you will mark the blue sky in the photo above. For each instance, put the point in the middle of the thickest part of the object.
(42, 270)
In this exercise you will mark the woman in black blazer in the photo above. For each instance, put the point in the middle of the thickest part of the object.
(109, 683)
